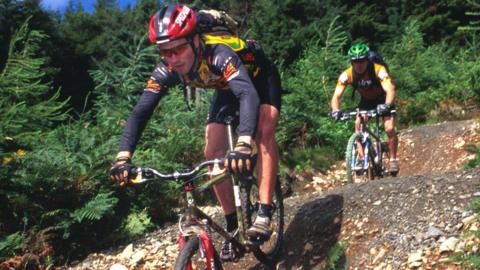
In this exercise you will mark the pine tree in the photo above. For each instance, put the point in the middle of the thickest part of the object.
(28, 105)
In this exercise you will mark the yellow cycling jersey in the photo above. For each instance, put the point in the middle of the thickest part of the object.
(364, 84)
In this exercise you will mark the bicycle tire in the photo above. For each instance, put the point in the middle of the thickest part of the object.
(186, 261)
(267, 251)
(351, 146)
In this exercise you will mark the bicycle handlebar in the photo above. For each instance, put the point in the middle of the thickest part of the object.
(146, 174)
(368, 113)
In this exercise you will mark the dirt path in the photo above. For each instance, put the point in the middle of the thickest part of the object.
(438, 148)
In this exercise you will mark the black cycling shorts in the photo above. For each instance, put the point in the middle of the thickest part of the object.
(268, 87)
(370, 104)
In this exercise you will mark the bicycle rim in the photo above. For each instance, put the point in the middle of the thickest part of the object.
(189, 257)
(266, 252)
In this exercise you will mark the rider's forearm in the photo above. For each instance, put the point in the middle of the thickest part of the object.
(124, 154)
(389, 89)
(138, 120)
(245, 92)
(245, 139)
(390, 97)
(337, 96)
(335, 103)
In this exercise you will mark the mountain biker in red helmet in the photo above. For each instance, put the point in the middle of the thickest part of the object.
(376, 89)
(241, 75)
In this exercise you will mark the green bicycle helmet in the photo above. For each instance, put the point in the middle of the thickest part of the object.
(358, 51)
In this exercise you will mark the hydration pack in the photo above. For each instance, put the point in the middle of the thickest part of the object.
(375, 57)
(216, 23)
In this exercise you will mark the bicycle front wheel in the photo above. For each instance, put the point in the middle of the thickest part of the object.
(355, 168)
(267, 251)
(351, 157)
(190, 258)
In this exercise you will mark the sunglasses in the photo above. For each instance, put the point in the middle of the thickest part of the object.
(358, 61)
(175, 50)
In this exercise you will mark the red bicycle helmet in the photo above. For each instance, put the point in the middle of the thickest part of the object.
(170, 23)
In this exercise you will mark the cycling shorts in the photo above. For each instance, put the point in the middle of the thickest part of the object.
(268, 87)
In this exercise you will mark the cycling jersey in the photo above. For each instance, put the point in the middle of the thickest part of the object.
(226, 63)
(365, 85)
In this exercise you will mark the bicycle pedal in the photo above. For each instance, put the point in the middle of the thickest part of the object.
(233, 258)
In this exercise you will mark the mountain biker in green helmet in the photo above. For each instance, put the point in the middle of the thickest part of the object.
(376, 89)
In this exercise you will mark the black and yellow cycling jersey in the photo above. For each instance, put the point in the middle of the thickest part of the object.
(227, 64)
(365, 85)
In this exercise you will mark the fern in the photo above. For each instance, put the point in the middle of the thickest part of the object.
(335, 254)
(24, 106)
(10, 244)
(138, 223)
(95, 209)
(474, 24)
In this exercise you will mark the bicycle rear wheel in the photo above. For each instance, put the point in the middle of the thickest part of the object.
(267, 251)
(190, 258)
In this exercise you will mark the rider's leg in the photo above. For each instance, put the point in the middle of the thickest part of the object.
(389, 124)
(216, 145)
(269, 90)
(267, 168)
(268, 156)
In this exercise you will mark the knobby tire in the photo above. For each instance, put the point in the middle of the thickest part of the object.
(351, 145)
(189, 249)
(266, 252)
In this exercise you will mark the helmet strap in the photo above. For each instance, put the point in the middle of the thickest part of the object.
(197, 52)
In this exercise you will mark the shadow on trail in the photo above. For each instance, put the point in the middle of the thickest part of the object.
(311, 234)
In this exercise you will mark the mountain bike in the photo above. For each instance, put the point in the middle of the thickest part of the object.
(375, 151)
(196, 247)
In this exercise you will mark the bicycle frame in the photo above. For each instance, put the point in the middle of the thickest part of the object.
(197, 215)
(194, 221)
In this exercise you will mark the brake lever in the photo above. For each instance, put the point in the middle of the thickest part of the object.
(137, 176)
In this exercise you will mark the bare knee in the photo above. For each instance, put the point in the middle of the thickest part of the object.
(215, 141)
(213, 152)
(267, 124)
(390, 132)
